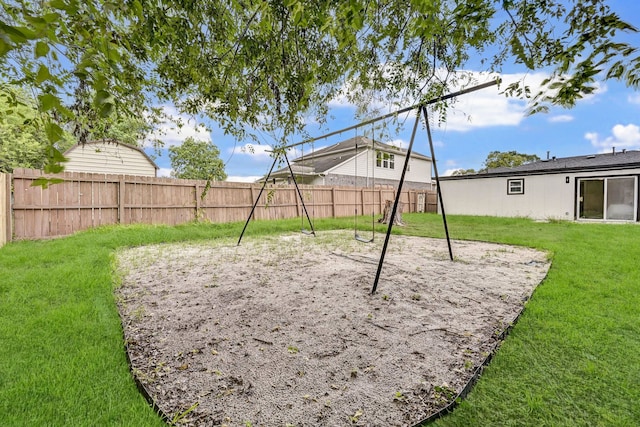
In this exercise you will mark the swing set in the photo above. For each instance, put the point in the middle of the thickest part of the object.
(421, 111)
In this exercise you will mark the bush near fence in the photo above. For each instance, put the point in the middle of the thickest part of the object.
(87, 200)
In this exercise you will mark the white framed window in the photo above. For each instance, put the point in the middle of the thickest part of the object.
(515, 186)
(385, 160)
(608, 198)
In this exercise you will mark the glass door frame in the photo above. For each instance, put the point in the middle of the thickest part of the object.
(605, 180)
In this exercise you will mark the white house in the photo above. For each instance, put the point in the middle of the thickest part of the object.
(596, 187)
(358, 161)
(109, 157)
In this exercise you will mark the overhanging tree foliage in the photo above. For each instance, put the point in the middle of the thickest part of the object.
(23, 143)
(266, 64)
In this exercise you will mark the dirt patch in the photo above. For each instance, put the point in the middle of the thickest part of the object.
(282, 330)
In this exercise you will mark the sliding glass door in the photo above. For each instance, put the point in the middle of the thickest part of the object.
(608, 198)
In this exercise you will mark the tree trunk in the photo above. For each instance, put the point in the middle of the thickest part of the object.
(386, 215)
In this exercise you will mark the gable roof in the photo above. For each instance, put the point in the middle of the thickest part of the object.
(110, 157)
(591, 162)
(327, 158)
(109, 141)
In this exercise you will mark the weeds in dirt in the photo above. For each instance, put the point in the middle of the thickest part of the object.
(399, 397)
(356, 417)
(138, 313)
(180, 417)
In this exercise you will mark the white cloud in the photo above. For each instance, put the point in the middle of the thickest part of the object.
(250, 179)
(400, 143)
(253, 150)
(262, 152)
(171, 134)
(634, 99)
(164, 172)
(488, 107)
(449, 172)
(340, 101)
(622, 136)
(562, 118)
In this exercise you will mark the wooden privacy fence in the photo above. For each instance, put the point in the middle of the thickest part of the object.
(86, 200)
(5, 208)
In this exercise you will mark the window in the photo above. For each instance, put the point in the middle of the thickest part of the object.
(607, 198)
(385, 160)
(515, 186)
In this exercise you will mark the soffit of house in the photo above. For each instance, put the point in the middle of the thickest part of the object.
(604, 161)
(296, 168)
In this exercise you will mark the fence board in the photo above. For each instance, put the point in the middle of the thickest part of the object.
(86, 200)
(5, 208)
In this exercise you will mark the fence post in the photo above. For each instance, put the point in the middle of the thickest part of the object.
(196, 216)
(298, 206)
(5, 209)
(121, 190)
(333, 202)
(252, 201)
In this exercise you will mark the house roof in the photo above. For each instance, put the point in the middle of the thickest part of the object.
(605, 161)
(322, 160)
(114, 142)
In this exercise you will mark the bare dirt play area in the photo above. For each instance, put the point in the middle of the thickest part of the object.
(283, 330)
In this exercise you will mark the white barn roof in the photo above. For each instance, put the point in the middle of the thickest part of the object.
(109, 157)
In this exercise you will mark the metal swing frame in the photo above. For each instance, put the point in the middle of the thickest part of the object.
(311, 232)
(279, 152)
(421, 111)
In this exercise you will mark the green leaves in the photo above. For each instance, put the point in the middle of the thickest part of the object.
(48, 102)
(497, 159)
(104, 103)
(42, 49)
(266, 66)
(197, 160)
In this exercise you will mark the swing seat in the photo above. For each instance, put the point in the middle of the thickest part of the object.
(362, 239)
(307, 232)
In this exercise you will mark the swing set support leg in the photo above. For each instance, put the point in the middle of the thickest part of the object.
(275, 160)
(395, 205)
(438, 188)
(304, 207)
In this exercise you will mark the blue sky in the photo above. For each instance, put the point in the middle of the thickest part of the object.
(477, 124)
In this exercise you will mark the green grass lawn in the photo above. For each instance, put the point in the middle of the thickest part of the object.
(572, 359)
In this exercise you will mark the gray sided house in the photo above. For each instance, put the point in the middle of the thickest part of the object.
(596, 187)
(357, 161)
(109, 157)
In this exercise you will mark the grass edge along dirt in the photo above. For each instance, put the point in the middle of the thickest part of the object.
(572, 359)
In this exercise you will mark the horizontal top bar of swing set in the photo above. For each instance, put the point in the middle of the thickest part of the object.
(386, 116)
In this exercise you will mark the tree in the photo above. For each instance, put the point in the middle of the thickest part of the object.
(265, 65)
(197, 160)
(458, 172)
(509, 159)
(23, 143)
(126, 129)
